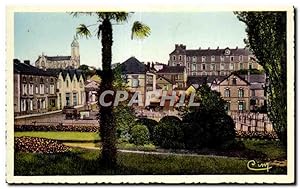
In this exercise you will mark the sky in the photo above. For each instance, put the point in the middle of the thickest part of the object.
(52, 33)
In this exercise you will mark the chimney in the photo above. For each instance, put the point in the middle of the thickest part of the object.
(16, 60)
(148, 66)
(152, 65)
(218, 48)
(236, 47)
(208, 48)
(27, 62)
(199, 48)
(176, 46)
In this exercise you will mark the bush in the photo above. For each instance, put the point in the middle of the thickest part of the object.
(59, 127)
(139, 135)
(150, 124)
(168, 133)
(208, 129)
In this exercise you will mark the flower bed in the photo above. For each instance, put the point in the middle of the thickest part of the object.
(39, 145)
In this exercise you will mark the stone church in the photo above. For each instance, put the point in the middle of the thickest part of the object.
(63, 62)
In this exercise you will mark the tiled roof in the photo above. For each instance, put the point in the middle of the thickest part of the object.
(133, 66)
(210, 52)
(165, 79)
(237, 76)
(27, 69)
(58, 58)
(65, 72)
(255, 78)
(172, 69)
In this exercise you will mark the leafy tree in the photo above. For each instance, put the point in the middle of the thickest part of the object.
(207, 125)
(266, 37)
(86, 71)
(150, 124)
(104, 31)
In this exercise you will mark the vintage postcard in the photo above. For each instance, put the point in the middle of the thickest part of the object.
(157, 94)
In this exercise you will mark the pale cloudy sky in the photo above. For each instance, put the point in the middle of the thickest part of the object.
(52, 33)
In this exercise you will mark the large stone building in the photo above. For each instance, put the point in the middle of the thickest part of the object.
(199, 62)
(34, 89)
(175, 74)
(54, 62)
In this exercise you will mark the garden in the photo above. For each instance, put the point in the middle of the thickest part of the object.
(202, 141)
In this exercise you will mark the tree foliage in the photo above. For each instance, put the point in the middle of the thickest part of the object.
(266, 37)
(139, 135)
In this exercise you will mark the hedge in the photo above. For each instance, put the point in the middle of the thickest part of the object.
(59, 127)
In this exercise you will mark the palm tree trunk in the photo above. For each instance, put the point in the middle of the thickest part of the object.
(106, 117)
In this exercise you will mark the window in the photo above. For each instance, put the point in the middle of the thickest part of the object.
(51, 89)
(41, 80)
(31, 89)
(222, 67)
(24, 79)
(42, 89)
(30, 104)
(75, 99)
(222, 74)
(231, 58)
(67, 82)
(36, 89)
(241, 93)
(240, 58)
(222, 58)
(194, 73)
(193, 67)
(68, 102)
(227, 93)
(231, 66)
(135, 81)
(241, 66)
(213, 58)
(194, 59)
(180, 57)
(252, 92)
(250, 66)
(241, 106)
(212, 67)
(203, 66)
(24, 89)
(234, 81)
(174, 57)
(188, 58)
(227, 106)
(203, 58)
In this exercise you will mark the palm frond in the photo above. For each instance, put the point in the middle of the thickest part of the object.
(76, 14)
(140, 30)
(82, 30)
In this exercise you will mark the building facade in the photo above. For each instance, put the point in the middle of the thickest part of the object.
(34, 89)
(175, 74)
(63, 62)
(202, 62)
(236, 91)
(70, 87)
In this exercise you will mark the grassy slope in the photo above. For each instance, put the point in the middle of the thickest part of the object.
(85, 162)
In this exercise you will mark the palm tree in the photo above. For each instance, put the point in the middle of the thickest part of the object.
(104, 30)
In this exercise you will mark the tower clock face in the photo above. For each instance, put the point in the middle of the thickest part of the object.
(227, 52)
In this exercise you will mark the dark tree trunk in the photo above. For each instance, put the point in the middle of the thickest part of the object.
(106, 117)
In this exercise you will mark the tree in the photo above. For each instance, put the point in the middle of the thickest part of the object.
(104, 30)
(266, 37)
(207, 125)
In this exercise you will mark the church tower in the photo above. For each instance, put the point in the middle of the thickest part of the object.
(75, 52)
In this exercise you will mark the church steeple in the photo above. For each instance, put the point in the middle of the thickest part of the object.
(75, 52)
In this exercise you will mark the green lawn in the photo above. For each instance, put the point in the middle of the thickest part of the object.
(85, 162)
(69, 136)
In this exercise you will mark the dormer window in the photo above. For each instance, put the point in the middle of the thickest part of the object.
(234, 81)
(194, 59)
(203, 58)
(227, 52)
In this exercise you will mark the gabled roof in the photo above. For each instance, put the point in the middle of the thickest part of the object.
(236, 76)
(27, 69)
(172, 69)
(132, 66)
(65, 72)
(165, 79)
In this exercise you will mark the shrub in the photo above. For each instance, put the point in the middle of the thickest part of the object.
(125, 120)
(58, 127)
(207, 129)
(139, 135)
(168, 133)
(150, 124)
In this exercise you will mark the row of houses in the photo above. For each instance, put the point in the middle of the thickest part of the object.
(37, 90)
(241, 92)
